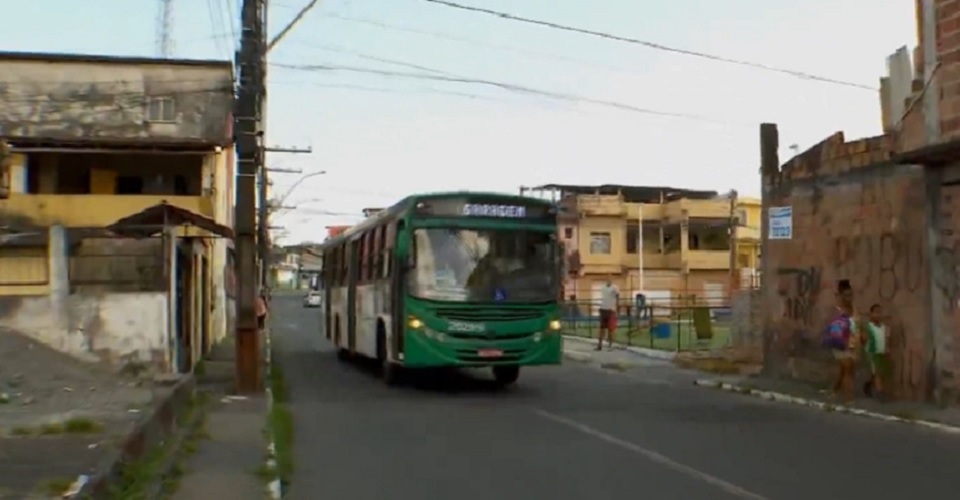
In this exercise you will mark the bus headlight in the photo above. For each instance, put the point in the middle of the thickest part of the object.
(555, 325)
(415, 323)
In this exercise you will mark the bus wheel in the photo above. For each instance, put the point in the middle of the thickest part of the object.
(343, 354)
(506, 375)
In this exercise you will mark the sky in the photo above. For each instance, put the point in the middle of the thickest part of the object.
(380, 137)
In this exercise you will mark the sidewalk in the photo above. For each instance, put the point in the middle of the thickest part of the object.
(799, 393)
(231, 455)
(61, 419)
(697, 368)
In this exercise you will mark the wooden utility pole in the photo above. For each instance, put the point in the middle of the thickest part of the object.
(249, 123)
(263, 213)
(769, 172)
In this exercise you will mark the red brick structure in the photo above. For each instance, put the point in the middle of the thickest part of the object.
(884, 213)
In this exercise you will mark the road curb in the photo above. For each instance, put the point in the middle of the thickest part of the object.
(275, 486)
(639, 351)
(811, 403)
(150, 432)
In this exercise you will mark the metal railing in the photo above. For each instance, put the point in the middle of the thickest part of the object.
(678, 325)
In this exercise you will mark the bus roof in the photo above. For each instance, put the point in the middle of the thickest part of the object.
(402, 205)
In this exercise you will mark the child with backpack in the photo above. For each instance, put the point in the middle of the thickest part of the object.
(842, 338)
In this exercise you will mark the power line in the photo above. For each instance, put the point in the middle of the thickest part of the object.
(501, 85)
(652, 45)
(470, 41)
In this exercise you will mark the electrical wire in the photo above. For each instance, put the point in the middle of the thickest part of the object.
(652, 45)
(504, 86)
(478, 43)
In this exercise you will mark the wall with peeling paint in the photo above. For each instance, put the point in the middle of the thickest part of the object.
(113, 328)
(98, 100)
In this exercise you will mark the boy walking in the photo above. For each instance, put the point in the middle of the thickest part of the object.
(875, 348)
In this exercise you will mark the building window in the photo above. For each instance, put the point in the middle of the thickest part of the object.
(600, 243)
(161, 109)
(567, 233)
(742, 220)
(633, 237)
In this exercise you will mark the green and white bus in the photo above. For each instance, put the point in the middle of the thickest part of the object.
(457, 279)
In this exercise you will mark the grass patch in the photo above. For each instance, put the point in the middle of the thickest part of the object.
(280, 427)
(56, 487)
(50, 429)
(81, 425)
(22, 431)
(160, 470)
(906, 415)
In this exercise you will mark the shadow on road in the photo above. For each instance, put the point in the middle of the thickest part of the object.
(439, 381)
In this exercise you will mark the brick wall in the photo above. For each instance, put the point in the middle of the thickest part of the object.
(856, 216)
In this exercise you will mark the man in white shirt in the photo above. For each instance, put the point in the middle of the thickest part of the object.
(609, 297)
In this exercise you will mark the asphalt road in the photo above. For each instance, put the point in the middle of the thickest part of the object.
(576, 432)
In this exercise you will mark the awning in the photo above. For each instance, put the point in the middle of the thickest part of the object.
(152, 220)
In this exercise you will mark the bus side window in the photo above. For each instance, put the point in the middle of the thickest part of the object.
(390, 235)
(334, 266)
(341, 265)
(377, 254)
(372, 255)
(364, 252)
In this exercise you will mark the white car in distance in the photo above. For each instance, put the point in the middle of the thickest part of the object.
(312, 299)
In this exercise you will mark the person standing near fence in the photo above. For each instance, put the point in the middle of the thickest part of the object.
(609, 297)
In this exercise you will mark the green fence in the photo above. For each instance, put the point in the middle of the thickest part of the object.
(668, 326)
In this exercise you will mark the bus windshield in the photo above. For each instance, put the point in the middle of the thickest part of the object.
(485, 265)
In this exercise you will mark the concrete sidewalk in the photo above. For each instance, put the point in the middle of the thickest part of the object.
(230, 457)
(804, 394)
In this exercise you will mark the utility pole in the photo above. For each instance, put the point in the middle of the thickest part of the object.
(249, 122)
(769, 175)
(263, 213)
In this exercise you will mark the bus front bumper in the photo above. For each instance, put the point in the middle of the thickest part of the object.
(422, 350)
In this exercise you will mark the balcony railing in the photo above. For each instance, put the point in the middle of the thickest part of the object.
(92, 210)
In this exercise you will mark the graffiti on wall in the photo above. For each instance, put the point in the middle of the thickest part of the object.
(946, 276)
(800, 288)
(887, 263)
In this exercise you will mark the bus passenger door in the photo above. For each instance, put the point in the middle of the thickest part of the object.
(398, 274)
(353, 249)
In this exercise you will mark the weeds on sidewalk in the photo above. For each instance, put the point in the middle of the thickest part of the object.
(74, 425)
(157, 474)
(280, 428)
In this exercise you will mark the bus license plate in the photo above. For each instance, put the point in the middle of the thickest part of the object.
(490, 353)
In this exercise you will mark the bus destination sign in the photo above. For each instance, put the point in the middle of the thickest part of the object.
(483, 207)
(486, 210)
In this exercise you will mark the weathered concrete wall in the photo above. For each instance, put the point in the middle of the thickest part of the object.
(944, 231)
(114, 328)
(746, 325)
(856, 216)
(73, 99)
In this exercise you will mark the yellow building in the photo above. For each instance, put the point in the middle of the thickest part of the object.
(96, 139)
(748, 242)
(670, 244)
